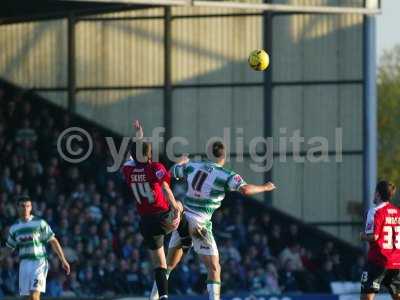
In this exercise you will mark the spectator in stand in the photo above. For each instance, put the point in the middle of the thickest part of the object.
(276, 240)
(357, 269)
(288, 280)
(55, 286)
(292, 253)
(326, 252)
(9, 278)
(7, 184)
(73, 286)
(272, 279)
(337, 267)
(292, 234)
(229, 252)
(325, 277)
(308, 260)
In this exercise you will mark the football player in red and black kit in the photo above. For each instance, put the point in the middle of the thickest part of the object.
(382, 231)
(159, 212)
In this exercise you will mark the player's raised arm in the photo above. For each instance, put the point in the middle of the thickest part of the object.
(138, 129)
(180, 169)
(137, 137)
(251, 189)
(236, 183)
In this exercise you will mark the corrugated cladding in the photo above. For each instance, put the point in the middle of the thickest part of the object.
(320, 56)
(34, 54)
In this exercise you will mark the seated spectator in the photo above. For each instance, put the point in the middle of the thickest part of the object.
(276, 241)
(272, 279)
(26, 135)
(325, 277)
(292, 253)
(7, 184)
(292, 234)
(287, 278)
(357, 269)
(9, 278)
(55, 286)
(308, 260)
(326, 252)
(72, 286)
(89, 286)
(258, 282)
(228, 251)
(337, 267)
(133, 279)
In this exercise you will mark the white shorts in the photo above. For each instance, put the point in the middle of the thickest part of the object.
(201, 246)
(32, 276)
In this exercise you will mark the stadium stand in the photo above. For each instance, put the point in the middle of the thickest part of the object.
(90, 210)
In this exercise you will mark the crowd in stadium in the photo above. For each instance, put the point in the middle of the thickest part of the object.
(95, 220)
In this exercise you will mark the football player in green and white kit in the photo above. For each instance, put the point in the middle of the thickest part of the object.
(29, 235)
(207, 183)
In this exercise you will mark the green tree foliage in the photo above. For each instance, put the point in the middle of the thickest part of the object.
(389, 116)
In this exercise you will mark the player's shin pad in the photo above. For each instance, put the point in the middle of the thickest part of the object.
(214, 290)
(154, 290)
(161, 281)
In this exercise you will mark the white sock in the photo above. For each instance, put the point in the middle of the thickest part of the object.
(214, 290)
(154, 291)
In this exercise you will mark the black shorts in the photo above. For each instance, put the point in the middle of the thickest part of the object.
(374, 276)
(153, 230)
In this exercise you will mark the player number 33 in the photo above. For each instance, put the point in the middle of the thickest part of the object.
(388, 232)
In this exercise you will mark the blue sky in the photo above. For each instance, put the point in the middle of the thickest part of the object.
(388, 26)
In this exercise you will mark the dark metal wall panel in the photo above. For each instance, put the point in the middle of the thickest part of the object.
(200, 114)
(214, 50)
(317, 63)
(117, 109)
(58, 98)
(34, 54)
(319, 111)
(120, 53)
(317, 47)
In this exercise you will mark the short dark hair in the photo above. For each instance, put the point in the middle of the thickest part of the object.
(218, 149)
(386, 190)
(144, 148)
(23, 198)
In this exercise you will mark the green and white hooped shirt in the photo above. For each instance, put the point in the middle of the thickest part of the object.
(30, 238)
(207, 185)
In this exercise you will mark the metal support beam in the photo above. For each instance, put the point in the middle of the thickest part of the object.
(71, 64)
(370, 112)
(311, 9)
(268, 31)
(167, 74)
